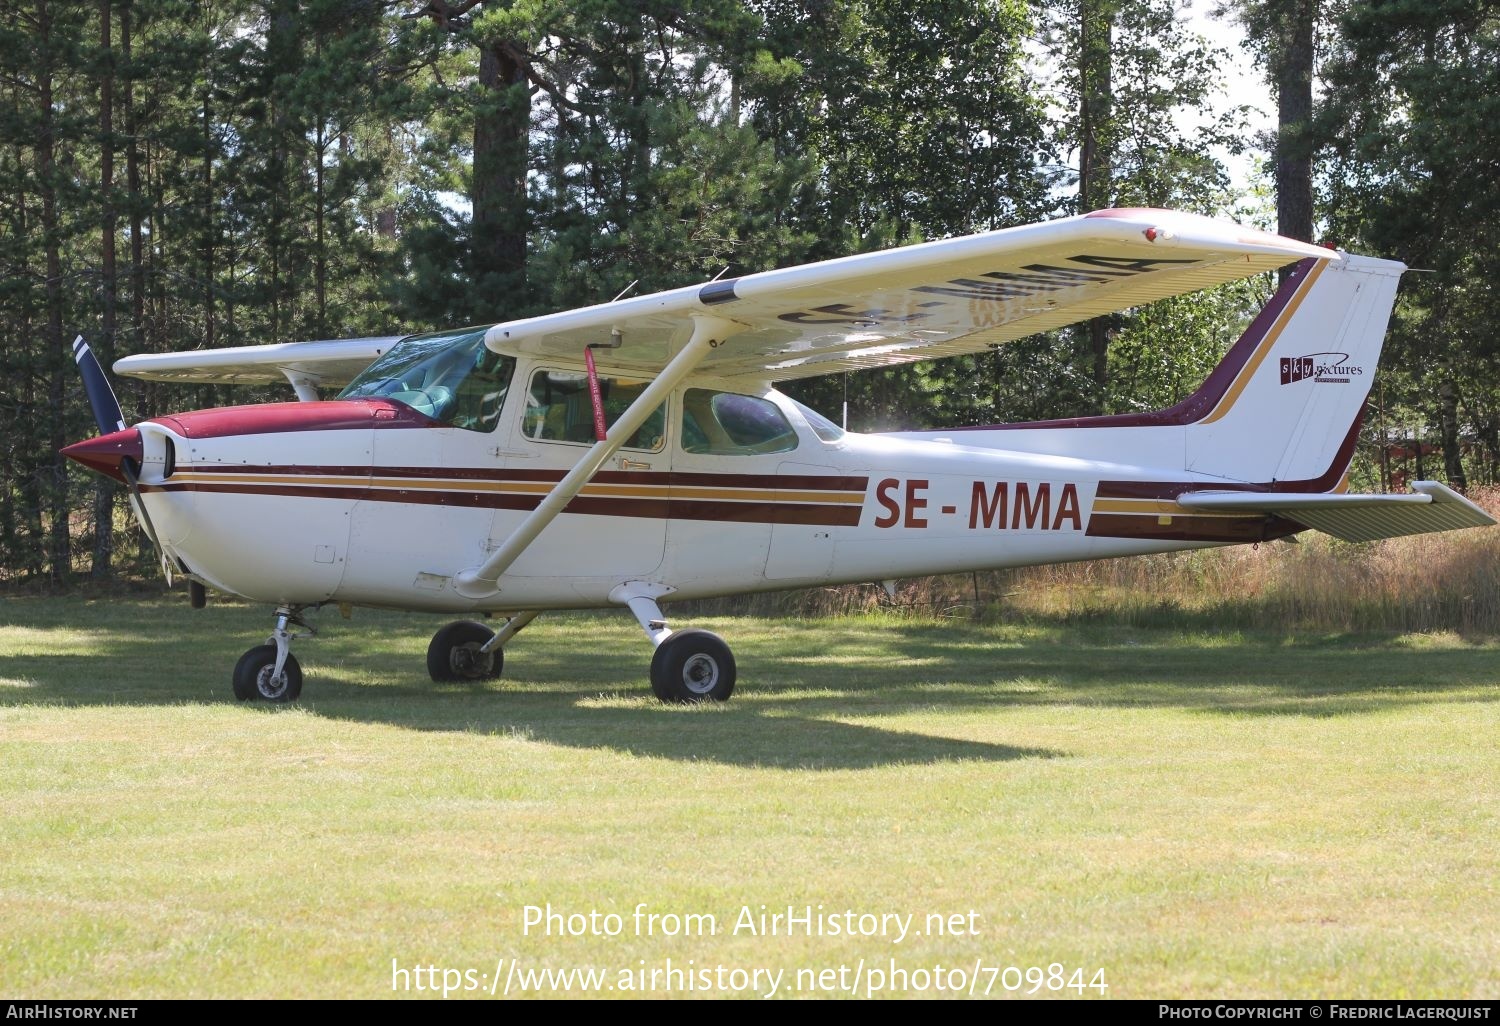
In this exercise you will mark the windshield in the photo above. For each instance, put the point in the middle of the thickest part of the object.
(821, 425)
(450, 376)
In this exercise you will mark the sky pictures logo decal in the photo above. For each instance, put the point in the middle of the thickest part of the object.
(1329, 368)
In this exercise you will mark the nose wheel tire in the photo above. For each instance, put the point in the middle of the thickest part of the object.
(693, 666)
(255, 677)
(454, 653)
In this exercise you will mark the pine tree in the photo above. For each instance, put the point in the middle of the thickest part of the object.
(1409, 129)
(1127, 72)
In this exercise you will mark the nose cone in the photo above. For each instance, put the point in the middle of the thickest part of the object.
(104, 453)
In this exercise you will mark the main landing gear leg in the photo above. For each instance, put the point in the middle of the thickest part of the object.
(270, 671)
(688, 665)
(468, 650)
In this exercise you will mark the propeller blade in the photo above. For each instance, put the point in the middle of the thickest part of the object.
(107, 412)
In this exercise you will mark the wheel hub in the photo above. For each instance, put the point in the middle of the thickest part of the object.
(700, 673)
(269, 684)
(469, 661)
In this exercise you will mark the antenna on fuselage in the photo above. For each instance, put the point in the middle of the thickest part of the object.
(626, 291)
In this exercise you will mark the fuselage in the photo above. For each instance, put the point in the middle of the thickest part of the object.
(374, 501)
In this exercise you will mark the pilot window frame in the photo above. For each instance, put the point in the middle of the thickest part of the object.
(580, 420)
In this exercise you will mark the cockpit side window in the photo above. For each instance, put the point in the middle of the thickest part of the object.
(718, 423)
(449, 376)
(560, 409)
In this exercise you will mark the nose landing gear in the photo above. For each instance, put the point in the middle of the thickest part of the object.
(270, 672)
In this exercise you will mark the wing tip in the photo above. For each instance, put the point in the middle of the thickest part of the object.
(1162, 224)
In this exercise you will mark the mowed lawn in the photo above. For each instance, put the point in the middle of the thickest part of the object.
(1196, 812)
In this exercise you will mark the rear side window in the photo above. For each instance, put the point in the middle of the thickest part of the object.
(728, 424)
(559, 409)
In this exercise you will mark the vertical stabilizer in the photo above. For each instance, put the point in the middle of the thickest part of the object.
(1292, 411)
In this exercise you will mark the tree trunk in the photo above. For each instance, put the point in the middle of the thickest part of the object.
(210, 222)
(133, 188)
(1095, 157)
(1294, 75)
(1453, 463)
(320, 253)
(283, 53)
(501, 126)
(60, 543)
(104, 488)
(29, 457)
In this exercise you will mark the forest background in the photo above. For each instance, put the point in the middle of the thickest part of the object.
(180, 174)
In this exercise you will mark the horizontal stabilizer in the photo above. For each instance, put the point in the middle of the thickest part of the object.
(1431, 507)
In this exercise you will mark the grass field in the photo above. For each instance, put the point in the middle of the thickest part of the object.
(1211, 813)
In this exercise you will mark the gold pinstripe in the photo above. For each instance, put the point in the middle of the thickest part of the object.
(1263, 350)
(1153, 508)
(606, 490)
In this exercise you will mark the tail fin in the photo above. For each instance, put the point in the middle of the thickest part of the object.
(1282, 408)
(1292, 409)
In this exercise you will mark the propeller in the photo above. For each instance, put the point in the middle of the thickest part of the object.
(111, 419)
(107, 412)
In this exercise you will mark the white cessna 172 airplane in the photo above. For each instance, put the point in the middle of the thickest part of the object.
(635, 452)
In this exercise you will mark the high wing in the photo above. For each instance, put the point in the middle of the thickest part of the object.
(1358, 518)
(919, 302)
(326, 363)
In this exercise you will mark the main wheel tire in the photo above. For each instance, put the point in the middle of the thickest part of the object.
(693, 666)
(253, 676)
(454, 653)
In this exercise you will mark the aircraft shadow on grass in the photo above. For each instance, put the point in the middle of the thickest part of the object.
(788, 715)
(762, 734)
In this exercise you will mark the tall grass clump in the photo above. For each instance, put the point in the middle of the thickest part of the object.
(1424, 583)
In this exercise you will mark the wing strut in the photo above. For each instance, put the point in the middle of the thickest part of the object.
(482, 581)
(303, 383)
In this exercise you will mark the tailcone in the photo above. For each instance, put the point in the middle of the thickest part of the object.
(105, 453)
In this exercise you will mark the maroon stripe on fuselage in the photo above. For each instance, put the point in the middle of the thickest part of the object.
(1191, 528)
(765, 482)
(651, 508)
